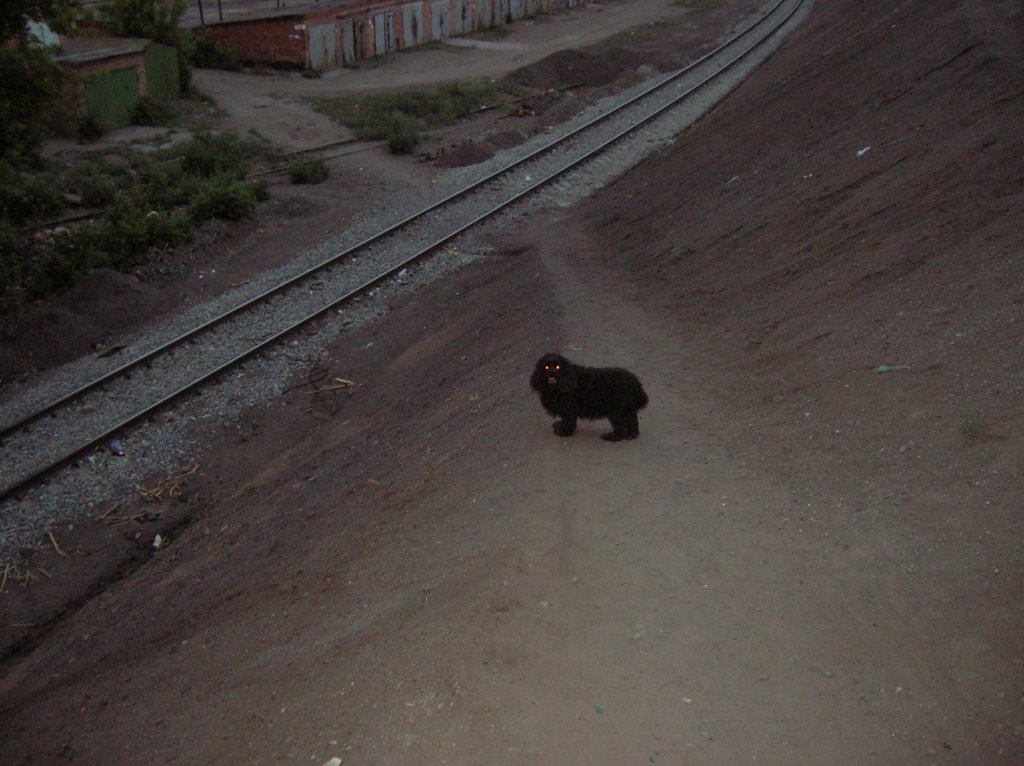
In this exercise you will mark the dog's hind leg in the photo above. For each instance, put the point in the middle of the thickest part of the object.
(632, 425)
(620, 429)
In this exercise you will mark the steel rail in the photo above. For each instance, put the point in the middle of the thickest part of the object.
(28, 479)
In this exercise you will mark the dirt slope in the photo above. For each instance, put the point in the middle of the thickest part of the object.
(801, 560)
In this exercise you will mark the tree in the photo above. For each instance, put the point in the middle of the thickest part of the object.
(155, 20)
(58, 14)
(152, 19)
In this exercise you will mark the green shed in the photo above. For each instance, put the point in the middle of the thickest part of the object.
(117, 72)
(161, 62)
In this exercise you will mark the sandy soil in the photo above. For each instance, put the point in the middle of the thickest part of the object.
(812, 554)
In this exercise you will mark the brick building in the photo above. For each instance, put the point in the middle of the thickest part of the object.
(341, 34)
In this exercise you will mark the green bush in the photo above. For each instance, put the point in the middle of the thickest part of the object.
(96, 188)
(308, 170)
(89, 130)
(261, 189)
(208, 53)
(401, 132)
(128, 231)
(33, 101)
(11, 257)
(151, 203)
(163, 187)
(224, 197)
(27, 195)
(211, 154)
(151, 113)
(68, 259)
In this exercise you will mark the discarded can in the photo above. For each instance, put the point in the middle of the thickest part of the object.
(116, 448)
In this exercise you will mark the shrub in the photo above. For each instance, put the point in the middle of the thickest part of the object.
(224, 197)
(260, 189)
(128, 231)
(163, 187)
(401, 132)
(27, 195)
(96, 188)
(208, 53)
(68, 259)
(120, 241)
(33, 102)
(211, 154)
(151, 113)
(308, 170)
(150, 203)
(89, 130)
(10, 266)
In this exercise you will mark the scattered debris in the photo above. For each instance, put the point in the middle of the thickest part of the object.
(114, 521)
(862, 152)
(157, 542)
(53, 541)
(892, 368)
(169, 485)
(337, 385)
(116, 447)
(21, 576)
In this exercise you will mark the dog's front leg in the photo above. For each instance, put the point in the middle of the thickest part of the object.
(566, 426)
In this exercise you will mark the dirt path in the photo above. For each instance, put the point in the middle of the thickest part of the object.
(532, 595)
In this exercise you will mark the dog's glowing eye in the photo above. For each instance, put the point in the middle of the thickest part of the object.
(557, 367)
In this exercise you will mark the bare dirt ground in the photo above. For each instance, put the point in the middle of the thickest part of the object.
(812, 554)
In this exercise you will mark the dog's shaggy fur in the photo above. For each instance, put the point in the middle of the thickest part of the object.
(570, 391)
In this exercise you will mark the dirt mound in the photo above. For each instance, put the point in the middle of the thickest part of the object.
(77, 322)
(463, 153)
(575, 67)
(470, 151)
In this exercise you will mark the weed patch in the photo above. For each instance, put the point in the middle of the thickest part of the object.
(212, 154)
(974, 425)
(401, 118)
(308, 170)
(151, 201)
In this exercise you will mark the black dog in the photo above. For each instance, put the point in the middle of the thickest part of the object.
(569, 391)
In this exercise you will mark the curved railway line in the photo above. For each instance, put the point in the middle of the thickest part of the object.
(184, 363)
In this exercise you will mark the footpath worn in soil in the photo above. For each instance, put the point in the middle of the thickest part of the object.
(812, 554)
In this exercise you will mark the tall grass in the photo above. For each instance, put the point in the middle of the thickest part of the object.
(401, 118)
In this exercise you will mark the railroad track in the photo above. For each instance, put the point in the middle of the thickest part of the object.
(38, 442)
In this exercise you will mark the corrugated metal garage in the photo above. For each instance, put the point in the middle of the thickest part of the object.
(343, 34)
